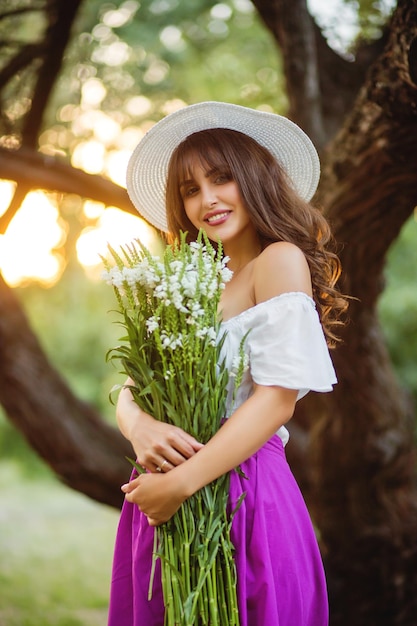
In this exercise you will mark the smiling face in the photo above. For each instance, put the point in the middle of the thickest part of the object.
(209, 177)
(212, 201)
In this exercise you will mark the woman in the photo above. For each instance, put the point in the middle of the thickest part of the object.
(245, 177)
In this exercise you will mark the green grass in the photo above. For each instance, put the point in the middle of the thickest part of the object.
(56, 552)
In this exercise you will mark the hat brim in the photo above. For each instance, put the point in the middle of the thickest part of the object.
(148, 165)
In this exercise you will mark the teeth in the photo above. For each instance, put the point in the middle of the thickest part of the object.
(219, 216)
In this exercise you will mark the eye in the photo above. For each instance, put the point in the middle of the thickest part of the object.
(189, 190)
(221, 178)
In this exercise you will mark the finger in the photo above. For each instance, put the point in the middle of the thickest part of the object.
(188, 445)
(166, 466)
(128, 487)
(163, 466)
(129, 496)
(181, 448)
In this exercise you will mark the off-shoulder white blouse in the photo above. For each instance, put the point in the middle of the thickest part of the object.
(285, 346)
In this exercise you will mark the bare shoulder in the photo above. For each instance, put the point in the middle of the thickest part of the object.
(282, 267)
(281, 252)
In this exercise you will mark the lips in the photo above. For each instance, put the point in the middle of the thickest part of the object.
(216, 216)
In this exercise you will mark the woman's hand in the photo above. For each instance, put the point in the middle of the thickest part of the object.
(159, 447)
(157, 496)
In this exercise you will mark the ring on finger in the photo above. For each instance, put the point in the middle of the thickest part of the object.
(159, 469)
(164, 463)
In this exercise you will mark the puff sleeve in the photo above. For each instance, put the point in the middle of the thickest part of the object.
(287, 347)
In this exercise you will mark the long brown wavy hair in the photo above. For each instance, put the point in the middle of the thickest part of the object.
(276, 210)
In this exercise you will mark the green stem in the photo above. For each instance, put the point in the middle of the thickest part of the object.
(186, 560)
(212, 594)
(154, 559)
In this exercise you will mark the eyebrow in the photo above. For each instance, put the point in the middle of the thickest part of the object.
(207, 174)
(184, 183)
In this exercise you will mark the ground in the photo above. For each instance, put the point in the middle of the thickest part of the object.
(56, 550)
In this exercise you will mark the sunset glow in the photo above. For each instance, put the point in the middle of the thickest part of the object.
(29, 250)
(114, 227)
(32, 247)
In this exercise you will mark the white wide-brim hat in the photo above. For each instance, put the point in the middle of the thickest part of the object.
(148, 165)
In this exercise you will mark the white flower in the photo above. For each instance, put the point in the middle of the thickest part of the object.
(152, 324)
(171, 341)
(240, 364)
(195, 245)
(212, 333)
(176, 266)
(201, 332)
(114, 277)
(212, 288)
(105, 275)
(161, 290)
(196, 310)
(207, 331)
(130, 275)
(226, 274)
(189, 283)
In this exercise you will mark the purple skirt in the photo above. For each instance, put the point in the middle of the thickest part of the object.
(280, 573)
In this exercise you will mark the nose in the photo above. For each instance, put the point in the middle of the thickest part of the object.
(209, 195)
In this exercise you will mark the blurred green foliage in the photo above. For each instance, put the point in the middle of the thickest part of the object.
(398, 306)
(166, 50)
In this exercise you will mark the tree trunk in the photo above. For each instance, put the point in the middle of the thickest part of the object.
(365, 502)
(362, 483)
(85, 452)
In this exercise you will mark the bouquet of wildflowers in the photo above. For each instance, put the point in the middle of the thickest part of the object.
(171, 350)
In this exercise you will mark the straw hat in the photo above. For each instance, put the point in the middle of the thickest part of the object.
(148, 165)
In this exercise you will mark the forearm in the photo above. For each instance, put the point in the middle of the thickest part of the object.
(129, 416)
(252, 425)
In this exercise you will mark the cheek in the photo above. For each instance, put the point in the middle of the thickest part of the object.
(190, 211)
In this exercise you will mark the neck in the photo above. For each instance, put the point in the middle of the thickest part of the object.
(241, 253)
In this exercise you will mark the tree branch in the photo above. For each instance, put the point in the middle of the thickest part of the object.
(21, 11)
(292, 27)
(34, 170)
(21, 60)
(61, 17)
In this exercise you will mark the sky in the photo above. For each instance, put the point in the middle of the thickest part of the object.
(338, 19)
